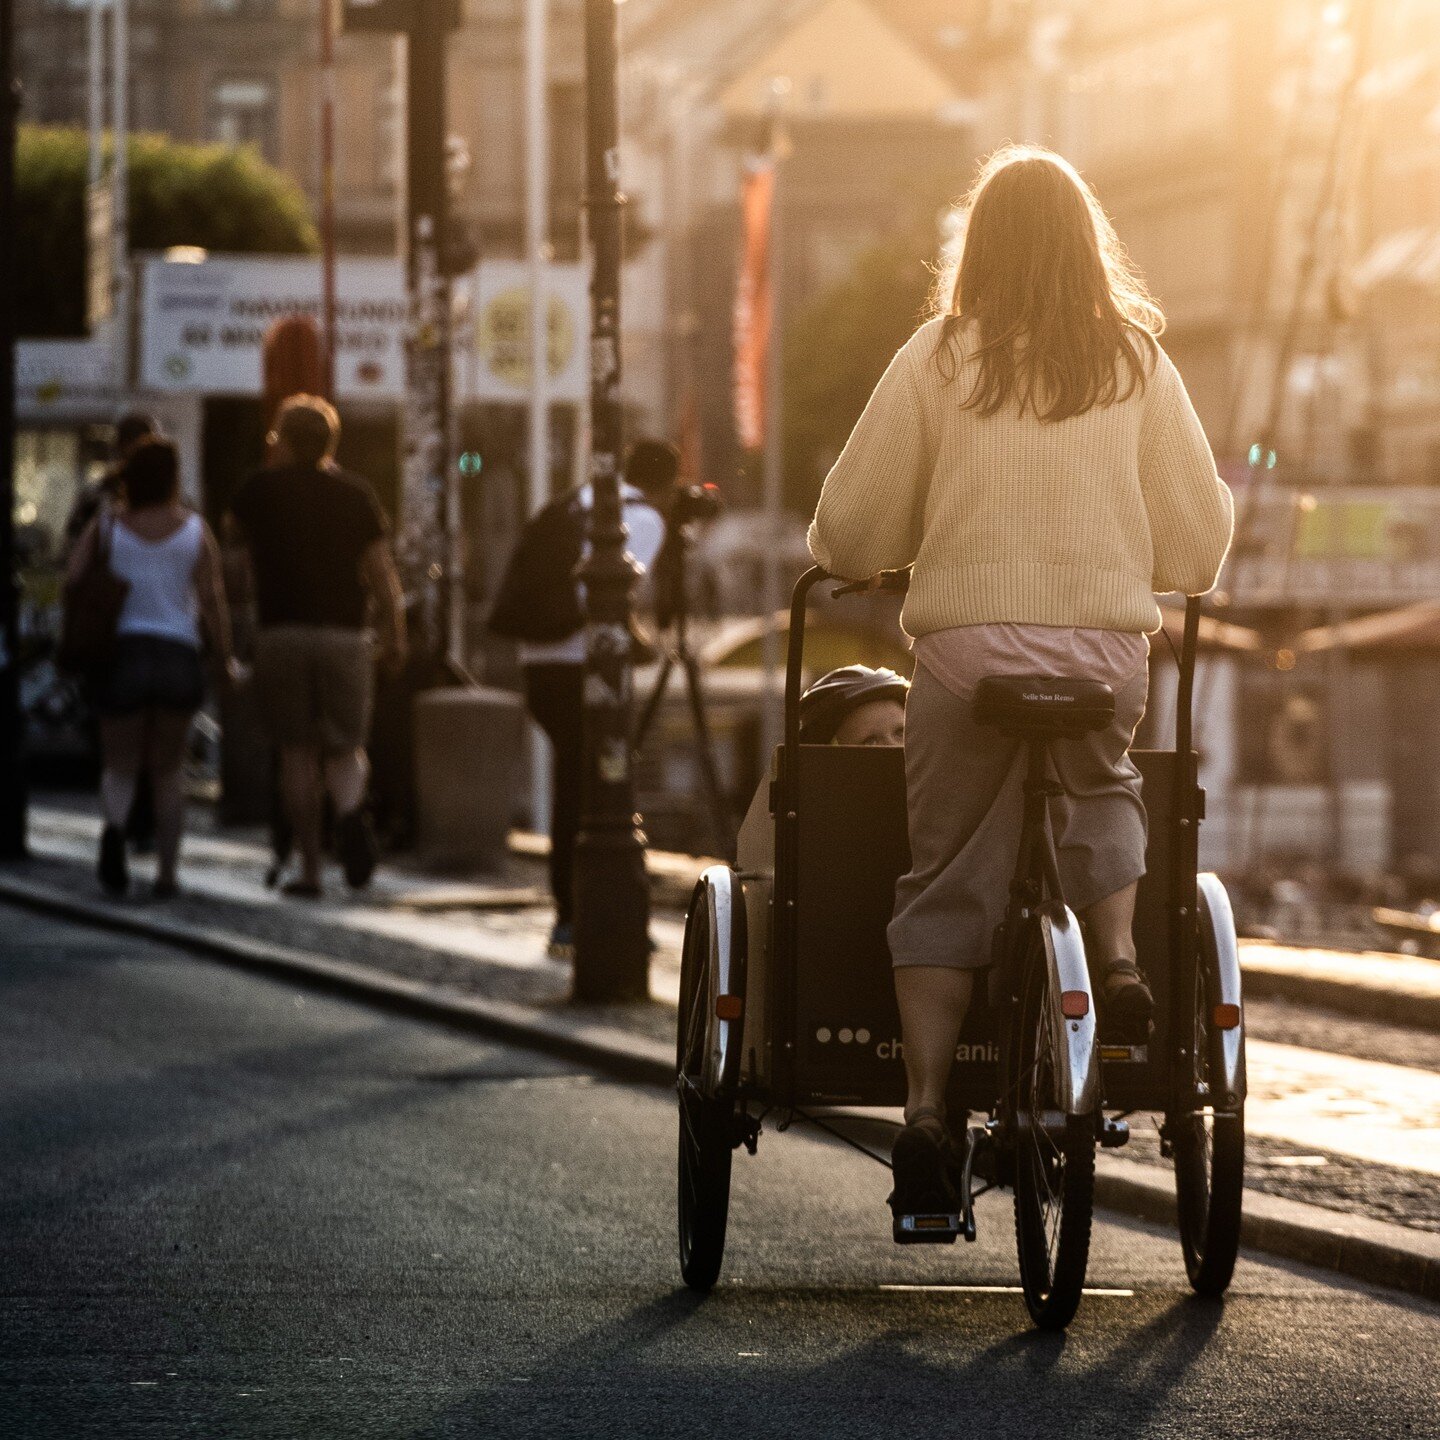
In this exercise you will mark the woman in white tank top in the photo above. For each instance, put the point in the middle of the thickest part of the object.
(154, 681)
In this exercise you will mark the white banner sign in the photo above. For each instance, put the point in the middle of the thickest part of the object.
(63, 377)
(203, 326)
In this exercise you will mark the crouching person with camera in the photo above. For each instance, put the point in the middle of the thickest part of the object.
(541, 605)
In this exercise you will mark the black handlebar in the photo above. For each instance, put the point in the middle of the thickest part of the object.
(897, 582)
(890, 582)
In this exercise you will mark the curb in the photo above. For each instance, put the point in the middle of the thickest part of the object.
(1373, 1251)
(1362, 1249)
(599, 1046)
(1366, 1002)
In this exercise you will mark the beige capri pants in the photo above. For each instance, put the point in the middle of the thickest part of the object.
(964, 783)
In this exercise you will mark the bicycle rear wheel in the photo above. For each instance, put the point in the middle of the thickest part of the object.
(1054, 1152)
(706, 1060)
(1209, 1135)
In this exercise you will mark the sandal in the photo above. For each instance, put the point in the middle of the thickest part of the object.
(302, 890)
(1126, 1004)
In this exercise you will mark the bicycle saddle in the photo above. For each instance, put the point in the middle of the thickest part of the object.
(1041, 706)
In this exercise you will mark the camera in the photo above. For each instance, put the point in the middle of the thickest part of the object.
(694, 502)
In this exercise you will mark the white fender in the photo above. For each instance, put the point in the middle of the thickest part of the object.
(1219, 949)
(722, 896)
(1065, 952)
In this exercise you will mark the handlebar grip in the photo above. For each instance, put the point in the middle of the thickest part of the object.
(894, 582)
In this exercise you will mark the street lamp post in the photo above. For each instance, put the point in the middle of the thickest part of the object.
(612, 898)
(12, 775)
(427, 403)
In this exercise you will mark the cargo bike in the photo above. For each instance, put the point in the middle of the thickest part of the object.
(787, 1008)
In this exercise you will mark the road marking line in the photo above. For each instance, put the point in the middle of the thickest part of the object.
(996, 1290)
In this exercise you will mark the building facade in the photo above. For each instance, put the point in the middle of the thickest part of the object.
(247, 72)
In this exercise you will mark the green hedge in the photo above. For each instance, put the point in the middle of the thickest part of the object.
(217, 196)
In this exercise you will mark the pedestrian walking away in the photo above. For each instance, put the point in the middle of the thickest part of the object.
(1032, 452)
(542, 605)
(322, 572)
(131, 430)
(152, 682)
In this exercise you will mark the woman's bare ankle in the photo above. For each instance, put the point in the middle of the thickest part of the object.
(925, 1112)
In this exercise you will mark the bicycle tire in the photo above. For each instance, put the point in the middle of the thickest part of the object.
(1054, 1155)
(1208, 1149)
(705, 1121)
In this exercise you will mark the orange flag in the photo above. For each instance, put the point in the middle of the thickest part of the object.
(753, 302)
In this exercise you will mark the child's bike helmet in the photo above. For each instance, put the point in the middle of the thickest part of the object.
(832, 697)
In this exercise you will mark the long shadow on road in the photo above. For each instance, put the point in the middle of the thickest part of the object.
(678, 1365)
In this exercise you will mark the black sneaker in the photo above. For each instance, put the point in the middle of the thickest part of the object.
(113, 869)
(355, 844)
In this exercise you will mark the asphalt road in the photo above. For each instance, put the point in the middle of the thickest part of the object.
(231, 1209)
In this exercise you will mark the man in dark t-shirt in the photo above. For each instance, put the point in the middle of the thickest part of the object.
(320, 561)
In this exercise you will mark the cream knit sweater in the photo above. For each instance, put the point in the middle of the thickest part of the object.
(1008, 518)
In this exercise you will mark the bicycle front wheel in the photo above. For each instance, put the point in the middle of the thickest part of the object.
(1054, 1151)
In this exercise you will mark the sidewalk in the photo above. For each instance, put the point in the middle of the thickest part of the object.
(1358, 1137)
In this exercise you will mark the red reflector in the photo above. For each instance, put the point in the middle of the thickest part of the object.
(1226, 1017)
(729, 1007)
(1074, 1004)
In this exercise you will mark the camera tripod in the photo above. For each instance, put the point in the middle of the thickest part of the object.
(676, 651)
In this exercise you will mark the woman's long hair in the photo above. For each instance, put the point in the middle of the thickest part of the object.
(1053, 295)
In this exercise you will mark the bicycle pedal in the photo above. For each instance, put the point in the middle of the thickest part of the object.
(1114, 1134)
(942, 1228)
(1116, 1054)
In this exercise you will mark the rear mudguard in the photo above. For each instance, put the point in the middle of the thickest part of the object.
(1219, 949)
(1065, 954)
(718, 891)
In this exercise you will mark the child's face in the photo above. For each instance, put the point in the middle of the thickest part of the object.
(877, 722)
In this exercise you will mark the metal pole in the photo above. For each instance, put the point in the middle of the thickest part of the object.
(537, 231)
(327, 193)
(426, 423)
(95, 91)
(537, 225)
(12, 719)
(120, 188)
(612, 897)
(773, 487)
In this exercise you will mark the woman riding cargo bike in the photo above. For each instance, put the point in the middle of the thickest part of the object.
(1034, 455)
(1032, 458)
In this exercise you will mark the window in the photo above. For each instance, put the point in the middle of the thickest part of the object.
(242, 112)
(567, 146)
(389, 132)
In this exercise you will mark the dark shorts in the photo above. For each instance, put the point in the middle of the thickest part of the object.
(316, 685)
(149, 673)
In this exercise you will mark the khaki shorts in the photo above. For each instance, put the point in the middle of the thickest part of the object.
(965, 785)
(315, 685)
